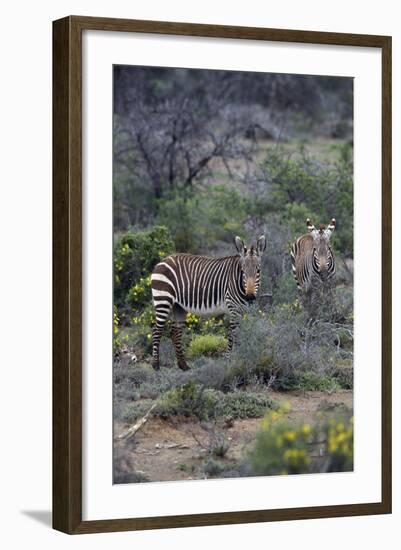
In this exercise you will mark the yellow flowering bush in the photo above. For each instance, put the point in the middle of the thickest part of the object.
(280, 447)
(116, 338)
(284, 448)
(206, 325)
(135, 256)
(139, 295)
(192, 321)
(339, 436)
(145, 319)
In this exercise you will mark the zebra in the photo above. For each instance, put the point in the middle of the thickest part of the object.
(312, 258)
(185, 283)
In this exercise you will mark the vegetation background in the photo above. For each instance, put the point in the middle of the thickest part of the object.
(199, 157)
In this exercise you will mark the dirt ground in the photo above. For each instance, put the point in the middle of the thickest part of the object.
(176, 449)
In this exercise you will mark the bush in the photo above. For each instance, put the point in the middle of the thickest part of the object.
(139, 295)
(284, 347)
(135, 256)
(300, 184)
(213, 468)
(210, 372)
(132, 411)
(197, 218)
(193, 399)
(338, 453)
(124, 471)
(281, 448)
(129, 477)
(206, 325)
(188, 400)
(284, 448)
(208, 344)
(245, 404)
(116, 337)
(134, 376)
(127, 380)
(311, 381)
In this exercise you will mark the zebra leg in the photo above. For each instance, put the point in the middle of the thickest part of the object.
(156, 337)
(231, 338)
(163, 312)
(176, 336)
(235, 316)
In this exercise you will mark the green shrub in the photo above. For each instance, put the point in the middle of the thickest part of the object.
(116, 331)
(206, 325)
(129, 477)
(343, 372)
(134, 376)
(338, 454)
(285, 290)
(213, 468)
(285, 448)
(207, 344)
(281, 448)
(311, 381)
(300, 184)
(245, 404)
(210, 372)
(220, 449)
(132, 411)
(127, 381)
(197, 218)
(283, 347)
(191, 399)
(135, 256)
(139, 295)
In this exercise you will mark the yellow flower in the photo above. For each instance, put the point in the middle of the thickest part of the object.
(274, 415)
(288, 455)
(341, 437)
(306, 429)
(290, 435)
(333, 446)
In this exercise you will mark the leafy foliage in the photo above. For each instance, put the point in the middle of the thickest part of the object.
(207, 344)
(299, 186)
(283, 347)
(197, 217)
(135, 255)
(284, 448)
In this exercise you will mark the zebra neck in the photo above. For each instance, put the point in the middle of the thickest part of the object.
(236, 282)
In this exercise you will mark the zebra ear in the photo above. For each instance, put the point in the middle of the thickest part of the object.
(332, 225)
(239, 243)
(309, 225)
(261, 245)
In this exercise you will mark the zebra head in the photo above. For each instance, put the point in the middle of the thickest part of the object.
(322, 256)
(250, 260)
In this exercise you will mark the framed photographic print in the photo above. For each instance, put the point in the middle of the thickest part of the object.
(222, 274)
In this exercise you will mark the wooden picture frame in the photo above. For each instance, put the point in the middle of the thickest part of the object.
(67, 273)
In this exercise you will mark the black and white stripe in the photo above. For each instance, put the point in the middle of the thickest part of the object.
(184, 283)
(312, 257)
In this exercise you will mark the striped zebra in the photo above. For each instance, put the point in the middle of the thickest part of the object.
(312, 258)
(184, 283)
